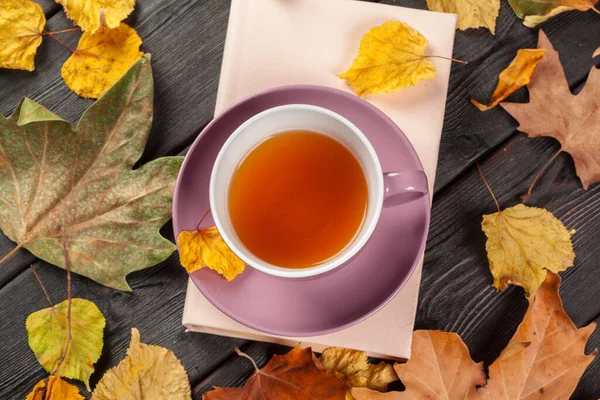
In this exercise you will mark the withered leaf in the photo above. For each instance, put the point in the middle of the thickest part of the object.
(297, 375)
(573, 120)
(544, 359)
(53, 176)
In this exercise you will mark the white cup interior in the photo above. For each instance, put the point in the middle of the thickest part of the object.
(287, 118)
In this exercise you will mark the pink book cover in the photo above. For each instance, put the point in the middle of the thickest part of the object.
(281, 42)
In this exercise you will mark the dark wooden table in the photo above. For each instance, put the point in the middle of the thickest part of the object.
(186, 39)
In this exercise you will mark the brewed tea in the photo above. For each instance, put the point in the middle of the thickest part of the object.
(297, 199)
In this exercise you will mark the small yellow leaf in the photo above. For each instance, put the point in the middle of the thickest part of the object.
(47, 330)
(354, 366)
(206, 248)
(148, 372)
(471, 13)
(391, 57)
(522, 243)
(88, 14)
(101, 59)
(513, 77)
(21, 26)
(54, 388)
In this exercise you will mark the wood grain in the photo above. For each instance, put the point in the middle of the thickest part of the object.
(186, 39)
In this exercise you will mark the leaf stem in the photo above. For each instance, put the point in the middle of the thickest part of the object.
(42, 285)
(488, 186)
(202, 219)
(596, 10)
(446, 58)
(62, 31)
(526, 197)
(242, 354)
(13, 251)
(68, 268)
(51, 34)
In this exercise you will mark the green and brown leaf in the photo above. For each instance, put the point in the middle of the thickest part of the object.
(53, 176)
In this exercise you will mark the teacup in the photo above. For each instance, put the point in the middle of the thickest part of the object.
(391, 188)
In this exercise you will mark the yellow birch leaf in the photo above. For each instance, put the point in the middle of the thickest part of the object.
(471, 13)
(89, 14)
(390, 57)
(206, 248)
(101, 59)
(522, 243)
(148, 372)
(54, 388)
(354, 367)
(47, 330)
(21, 26)
(513, 77)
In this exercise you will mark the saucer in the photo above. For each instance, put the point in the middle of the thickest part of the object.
(324, 303)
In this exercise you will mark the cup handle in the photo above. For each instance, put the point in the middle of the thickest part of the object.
(402, 187)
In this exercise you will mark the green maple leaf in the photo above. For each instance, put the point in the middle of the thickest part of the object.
(81, 180)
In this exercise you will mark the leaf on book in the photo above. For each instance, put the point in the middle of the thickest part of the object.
(390, 57)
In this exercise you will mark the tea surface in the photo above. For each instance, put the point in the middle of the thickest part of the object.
(297, 199)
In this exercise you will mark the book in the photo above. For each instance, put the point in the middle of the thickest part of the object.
(273, 43)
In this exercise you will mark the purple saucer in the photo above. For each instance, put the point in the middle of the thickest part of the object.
(325, 303)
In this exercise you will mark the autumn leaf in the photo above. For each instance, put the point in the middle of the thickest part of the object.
(294, 376)
(148, 372)
(54, 388)
(391, 57)
(545, 358)
(53, 176)
(573, 120)
(523, 243)
(471, 13)
(553, 356)
(513, 77)
(47, 332)
(21, 26)
(91, 15)
(354, 366)
(534, 12)
(206, 248)
(101, 59)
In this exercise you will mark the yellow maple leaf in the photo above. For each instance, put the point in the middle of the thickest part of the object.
(91, 15)
(471, 13)
(47, 331)
(513, 77)
(522, 243)
(21, 26)
(206, 248)
(54, 388)
(354, 366)
(148, 372)
(390, 57)
(101, 59)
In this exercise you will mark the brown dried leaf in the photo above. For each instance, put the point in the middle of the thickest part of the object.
(554, 111)
(545, 358)
(297, 375)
